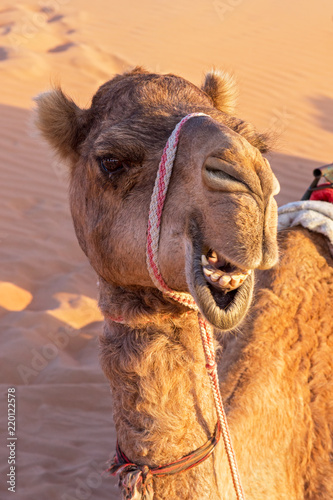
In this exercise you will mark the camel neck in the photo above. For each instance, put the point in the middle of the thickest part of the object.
(160, 387)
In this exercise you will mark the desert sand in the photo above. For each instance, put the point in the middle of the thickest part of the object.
(281, 55)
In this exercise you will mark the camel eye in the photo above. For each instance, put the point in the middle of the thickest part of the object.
(111, 165)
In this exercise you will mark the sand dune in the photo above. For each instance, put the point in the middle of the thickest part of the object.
(281, 54)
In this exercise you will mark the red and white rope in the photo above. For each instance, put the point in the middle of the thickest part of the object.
(154, 223)
(155, 214)
(206, 332)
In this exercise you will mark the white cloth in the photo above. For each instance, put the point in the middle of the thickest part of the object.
(313, 215)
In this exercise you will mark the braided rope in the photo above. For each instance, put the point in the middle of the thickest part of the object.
(155, 214)
(153, 234)
(208, 346)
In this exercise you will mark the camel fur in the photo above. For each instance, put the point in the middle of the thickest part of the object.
(275, 366)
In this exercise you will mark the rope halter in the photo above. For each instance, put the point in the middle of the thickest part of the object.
(136, 480)
(206, 331)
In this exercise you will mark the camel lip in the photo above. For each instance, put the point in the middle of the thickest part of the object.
(223, 310)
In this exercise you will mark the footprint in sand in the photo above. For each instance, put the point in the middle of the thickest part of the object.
(55, 18)
(5, 29)
(61, 48)
(4, 54)
(76, 310)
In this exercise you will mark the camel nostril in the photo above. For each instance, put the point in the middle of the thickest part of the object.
(220, 175)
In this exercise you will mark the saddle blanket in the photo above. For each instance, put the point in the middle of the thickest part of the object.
(313, 215)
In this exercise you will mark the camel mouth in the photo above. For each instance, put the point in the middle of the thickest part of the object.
(222, 290)
(221, 274)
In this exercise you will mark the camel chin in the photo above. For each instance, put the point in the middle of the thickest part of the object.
(222, 290)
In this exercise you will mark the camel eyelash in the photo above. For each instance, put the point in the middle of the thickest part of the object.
(112, 165)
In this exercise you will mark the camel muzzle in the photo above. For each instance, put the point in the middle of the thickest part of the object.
(224, 309)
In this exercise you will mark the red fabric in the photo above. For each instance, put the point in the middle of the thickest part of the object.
(325, 194)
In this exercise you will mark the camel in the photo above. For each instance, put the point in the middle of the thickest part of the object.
(268, 295)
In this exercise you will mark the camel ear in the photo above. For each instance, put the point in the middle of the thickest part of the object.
(221, 88)
(61, 122)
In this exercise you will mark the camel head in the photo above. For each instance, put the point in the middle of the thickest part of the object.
(219, 220)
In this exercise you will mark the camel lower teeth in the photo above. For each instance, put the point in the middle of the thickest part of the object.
(224, 280)
(235, 281)
(207, 272)
(220, 279)
(204, 260)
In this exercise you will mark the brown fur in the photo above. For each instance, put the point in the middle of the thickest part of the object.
(276, 368)
(277, 377)
(222, 89)
(61, 122)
